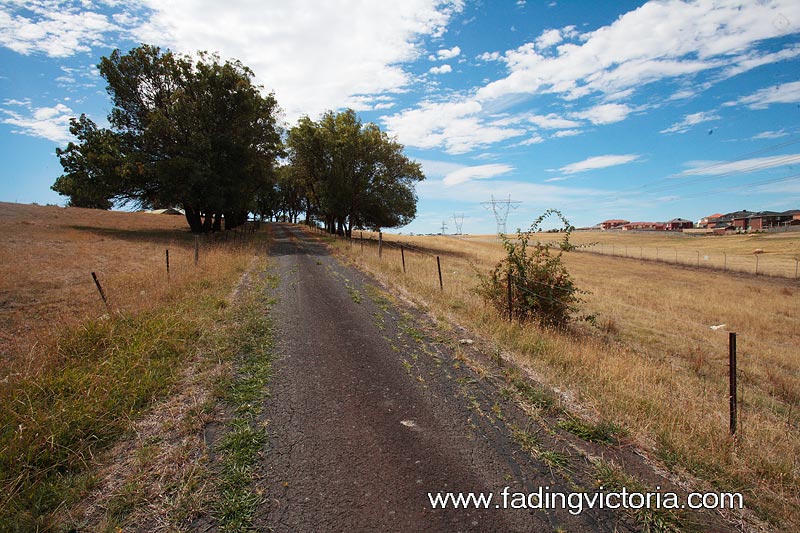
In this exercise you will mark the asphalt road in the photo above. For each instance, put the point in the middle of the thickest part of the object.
(370, 410)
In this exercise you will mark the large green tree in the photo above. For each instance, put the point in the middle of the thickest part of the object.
(354, 174)
(197, 133)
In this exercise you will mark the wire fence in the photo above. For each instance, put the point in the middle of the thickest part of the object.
(709, 344)
(758, 263)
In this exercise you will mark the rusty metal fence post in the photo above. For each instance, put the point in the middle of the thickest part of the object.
(732, 380)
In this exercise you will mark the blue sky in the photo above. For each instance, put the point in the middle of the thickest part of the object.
(634, 110)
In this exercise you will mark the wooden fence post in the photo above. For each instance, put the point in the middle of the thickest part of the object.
(167, 254)
(403, 258)
(101, 291)
(197, 247)
(439, 267)
(380, 244)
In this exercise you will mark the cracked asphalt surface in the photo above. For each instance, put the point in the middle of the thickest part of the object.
(367, 415)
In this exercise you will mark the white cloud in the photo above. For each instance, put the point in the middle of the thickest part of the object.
(691, 120)
(604, 113)
(552, 122)
(786, 93)
(744, 166)
(536, 139)
(455, 126)
(548, 38)
(56, 29)
(566, 133)
(598, 162)
(51, 123)
(536, 196)
(445, 54)
(314, 55)
(480, 172)
(673, 38)
(769, 135)
(441, 70)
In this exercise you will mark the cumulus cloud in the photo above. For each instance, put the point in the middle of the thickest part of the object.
(479, 172)
(445, 54)
(692, 37)
(455, 126)
(691, 120)
(769, 135)
(721, 39)
(441, 70)
(598, 162)
(604, 113)
(786, 93)
(566, 133)
(50, 123)
(55, 29)
(315, 55)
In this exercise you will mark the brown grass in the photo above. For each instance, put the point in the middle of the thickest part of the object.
(47, 255)
(653, 364)
(75, 375)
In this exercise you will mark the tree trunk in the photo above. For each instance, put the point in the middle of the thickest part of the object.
(193, 218)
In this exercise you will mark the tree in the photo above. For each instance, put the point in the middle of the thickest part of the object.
(91, 166)
(354, 174)
(193, 133)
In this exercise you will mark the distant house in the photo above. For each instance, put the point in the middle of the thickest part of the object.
(678, 224)
(167, 211)
(710, 221)
(613, 223)
(644, 226)
(764, 220)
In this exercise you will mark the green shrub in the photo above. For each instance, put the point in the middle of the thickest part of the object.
(541, 287)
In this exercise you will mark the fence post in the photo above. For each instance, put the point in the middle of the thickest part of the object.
(796, 262)
(439, 268)
(510, 307)
(197, 247)
(732, 376)
(101, 291)
(380, 244)
(756, 264)
(167, 253)
(403, 258)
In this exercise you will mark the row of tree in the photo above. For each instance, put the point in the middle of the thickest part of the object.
(200, 135)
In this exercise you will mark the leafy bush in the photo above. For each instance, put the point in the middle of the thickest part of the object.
(541, 287)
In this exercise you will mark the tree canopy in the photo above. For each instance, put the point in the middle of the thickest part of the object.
(194, 133)
(353, 174)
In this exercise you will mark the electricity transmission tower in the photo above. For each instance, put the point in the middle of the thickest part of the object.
(459, 222)
(500, 208)
(444, 226)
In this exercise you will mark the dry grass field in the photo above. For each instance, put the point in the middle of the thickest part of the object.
(652, 363)
(778, 253)
(74, 375)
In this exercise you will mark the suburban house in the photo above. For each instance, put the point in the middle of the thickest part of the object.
(613, 223)
(644, 226)
(710, 221)
(678, 224)
(767, 219)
